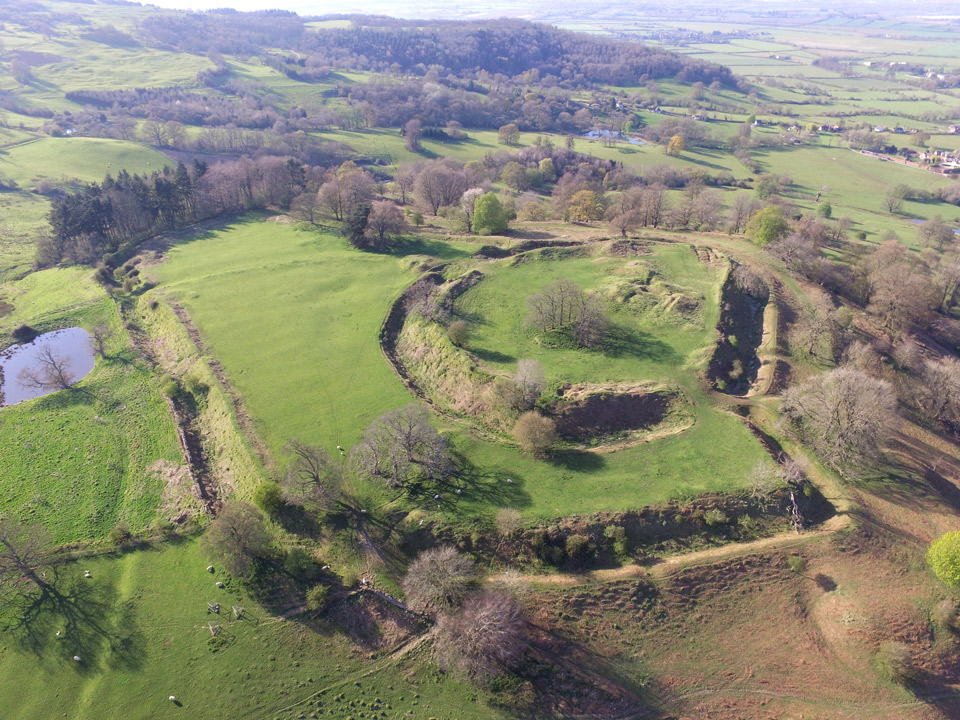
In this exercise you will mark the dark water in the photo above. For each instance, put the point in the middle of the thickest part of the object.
(74, 345)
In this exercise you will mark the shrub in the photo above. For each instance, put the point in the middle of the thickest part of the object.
(269, 497)
(171, 388)
(621, 545)
(507, 521)
(417, 218)
(944, 558)
(195, 386)
(796, 563)
(300, 563)
(895, 662)
(535, 433)
(317, 598)
(715, 516)
(457, 332)
(945, 615)
(120, 534)
(578, 547)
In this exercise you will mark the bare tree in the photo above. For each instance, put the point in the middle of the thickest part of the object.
(485, 638)
(818, 331)
(51, 371)
(940, 390)
(438, 580)
(412, 134)
(384, 222)
(743, 207)
(591, 325)
(901, 297)
(893, 203)
(101, 334)
(312, 477)
(406, 176)
(306, 207)
(846, 415)
(238, 536)
(530, 381)
(438, 185)
(626, 222)
(562, 305)
(401, 447)
(936, 233)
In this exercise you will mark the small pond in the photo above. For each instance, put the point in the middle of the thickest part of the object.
(70, 348)
(613, 135)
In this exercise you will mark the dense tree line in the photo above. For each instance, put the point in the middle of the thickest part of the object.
(99, 218)
(505, 47)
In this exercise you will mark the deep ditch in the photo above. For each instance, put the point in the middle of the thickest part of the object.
(734, 365)
(188, 434)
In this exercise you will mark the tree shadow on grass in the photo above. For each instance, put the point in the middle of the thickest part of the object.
(626, 341)
(492, 356)
(477, 486)
(74, 616)
(439, 249)
(578, 460)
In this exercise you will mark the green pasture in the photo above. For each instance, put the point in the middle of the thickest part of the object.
(76, 158)
(140, 626)
(80, 461)
(294, 315)
(23, 218)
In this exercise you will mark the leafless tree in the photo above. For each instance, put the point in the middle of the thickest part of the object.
(818, 331)
(438, 185)
(936, 233)
(654, 205)
(384, 222)
(530, 381)
(893, 203)
(238, 536)
(563, 305)
(846, 414)
(743, 207)
(154, 132)
(626, 222)
(485, 638)
(406, 176)
(940, 390)
(51, 371)
(412, 133)
(101, 335)
(401, 446)
(555, 306)
(306, 207)
(591, 325)
(438, 580)
(901, 297)
(311, 477)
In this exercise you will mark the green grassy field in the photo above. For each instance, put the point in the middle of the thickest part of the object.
(300, 344)
(80, 461)
(80, 158)
(140, 627)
